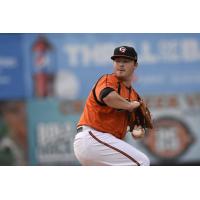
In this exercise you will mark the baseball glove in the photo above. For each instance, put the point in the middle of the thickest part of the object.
(141, 117)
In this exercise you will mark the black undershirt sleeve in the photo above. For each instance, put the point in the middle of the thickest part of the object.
(105, 92)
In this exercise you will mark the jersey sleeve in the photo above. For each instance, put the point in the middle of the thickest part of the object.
(107, 81)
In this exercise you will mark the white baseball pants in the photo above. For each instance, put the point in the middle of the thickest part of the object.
(92, 147)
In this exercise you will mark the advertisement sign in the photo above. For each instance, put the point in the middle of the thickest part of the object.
(52, 127)
(12, 72)
(168, 63)
(175, 137)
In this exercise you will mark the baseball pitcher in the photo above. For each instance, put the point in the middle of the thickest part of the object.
(111, 108)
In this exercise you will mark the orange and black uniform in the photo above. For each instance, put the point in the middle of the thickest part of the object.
(101, 117)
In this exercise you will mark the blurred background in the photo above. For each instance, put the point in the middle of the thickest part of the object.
(45, 79)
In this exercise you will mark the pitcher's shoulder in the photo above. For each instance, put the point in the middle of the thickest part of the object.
(111, 77)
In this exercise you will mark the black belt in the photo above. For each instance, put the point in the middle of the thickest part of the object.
(79, 129)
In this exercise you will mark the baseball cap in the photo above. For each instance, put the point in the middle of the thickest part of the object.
(126, 52)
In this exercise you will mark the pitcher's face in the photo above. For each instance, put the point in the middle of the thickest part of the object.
(124, 68)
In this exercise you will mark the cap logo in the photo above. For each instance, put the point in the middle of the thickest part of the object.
(122, 49)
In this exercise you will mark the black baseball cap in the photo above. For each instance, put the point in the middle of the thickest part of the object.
(126, 52)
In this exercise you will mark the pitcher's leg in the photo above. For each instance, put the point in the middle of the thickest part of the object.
(113, 151)
(97, 148)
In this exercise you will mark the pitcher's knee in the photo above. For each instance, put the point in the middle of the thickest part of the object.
(145, 161)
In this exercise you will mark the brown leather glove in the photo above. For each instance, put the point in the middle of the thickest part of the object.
(141, 117)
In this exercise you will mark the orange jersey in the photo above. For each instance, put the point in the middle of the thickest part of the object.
(102, 117)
